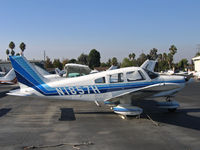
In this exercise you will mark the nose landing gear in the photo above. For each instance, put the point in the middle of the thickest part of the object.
(171, 105)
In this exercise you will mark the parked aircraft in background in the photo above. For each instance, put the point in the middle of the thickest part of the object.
(9, 78)
(196, 75)
(2, 74)
(119, 86)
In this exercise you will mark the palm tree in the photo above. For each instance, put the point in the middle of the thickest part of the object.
(7, 53)
(22, 46)
(12, 46)
(173, 49)
(131, 56)
(170, 60)
(12, 52)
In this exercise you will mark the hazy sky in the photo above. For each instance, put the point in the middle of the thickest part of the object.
(67, 28)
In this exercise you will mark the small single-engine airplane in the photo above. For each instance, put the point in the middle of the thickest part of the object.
(119, 86)
(9, 78)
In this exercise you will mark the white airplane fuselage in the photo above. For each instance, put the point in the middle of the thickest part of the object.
(85, 87)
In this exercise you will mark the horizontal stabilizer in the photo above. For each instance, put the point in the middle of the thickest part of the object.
(18, 92)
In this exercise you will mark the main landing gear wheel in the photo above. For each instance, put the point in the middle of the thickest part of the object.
(126, 111)
(171, 105)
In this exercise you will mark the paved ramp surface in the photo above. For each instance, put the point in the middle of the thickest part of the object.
(37, 122)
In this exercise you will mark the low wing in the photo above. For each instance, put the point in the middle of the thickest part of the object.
(136, 94)
(7, 82)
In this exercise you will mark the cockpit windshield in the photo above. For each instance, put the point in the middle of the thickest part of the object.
(152, 75)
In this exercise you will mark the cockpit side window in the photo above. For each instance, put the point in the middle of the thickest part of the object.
(134, 76)
(100, 80)
(115, 78)
(152, 75)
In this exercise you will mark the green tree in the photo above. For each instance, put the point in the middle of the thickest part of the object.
(141, 59)
(7, 53)
(164, 56)
(159, 57)
(103, 64)
(164, 65)
(12, 52)
(114, 61)
(94, 58)
(197, 54)
(170, 60)
(12, 46)
(173, 49)
(65, 61)
(22, 46)
(153, 54)
(109, 62)
(57, 64)
(74, 61)
(48, 63)
(126, 62)
(182, 64)
(131, 56)
(83, 59)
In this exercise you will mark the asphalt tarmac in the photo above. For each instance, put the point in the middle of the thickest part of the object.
(66, 125)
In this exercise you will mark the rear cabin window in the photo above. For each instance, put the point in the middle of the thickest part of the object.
(134, 76)
(100, 80)
(115, 78)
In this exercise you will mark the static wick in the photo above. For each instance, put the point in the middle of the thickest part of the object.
(97, 104)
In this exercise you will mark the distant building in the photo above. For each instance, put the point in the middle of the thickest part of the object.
(196, 61)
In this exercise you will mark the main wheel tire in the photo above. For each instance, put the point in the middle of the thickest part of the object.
(172, 109)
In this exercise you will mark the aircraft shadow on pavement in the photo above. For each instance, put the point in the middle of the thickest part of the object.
(3, 94)
(67, 114)
(182, 117)
(96, 112)
(4, 111)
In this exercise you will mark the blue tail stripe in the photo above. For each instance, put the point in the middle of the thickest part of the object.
(26, 76)
(39, 89)
(19, 61)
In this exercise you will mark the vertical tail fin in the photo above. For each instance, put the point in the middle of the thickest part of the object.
(26, 74)
(149, 65)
